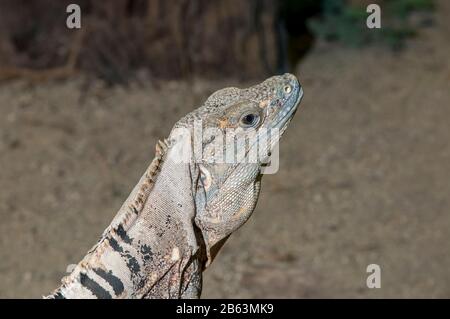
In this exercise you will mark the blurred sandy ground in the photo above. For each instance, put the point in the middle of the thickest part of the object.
(364, 176)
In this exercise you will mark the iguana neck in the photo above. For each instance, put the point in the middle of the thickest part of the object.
(150, 249)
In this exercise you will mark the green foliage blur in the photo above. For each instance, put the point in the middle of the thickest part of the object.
(345, 22)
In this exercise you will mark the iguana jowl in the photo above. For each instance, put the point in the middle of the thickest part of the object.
(181, 212)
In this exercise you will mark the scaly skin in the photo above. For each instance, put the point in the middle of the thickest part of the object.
(184, 208)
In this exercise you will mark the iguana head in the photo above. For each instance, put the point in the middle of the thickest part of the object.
(230, 138)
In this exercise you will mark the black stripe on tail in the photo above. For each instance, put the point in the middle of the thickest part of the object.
(94, 287)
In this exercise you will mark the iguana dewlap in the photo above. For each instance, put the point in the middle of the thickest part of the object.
(186, 205)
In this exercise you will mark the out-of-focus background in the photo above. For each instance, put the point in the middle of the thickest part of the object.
(364, 172)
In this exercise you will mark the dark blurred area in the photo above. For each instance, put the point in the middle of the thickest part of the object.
(167, 39)
(178, 38)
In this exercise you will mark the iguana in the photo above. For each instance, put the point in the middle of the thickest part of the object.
(184, 207)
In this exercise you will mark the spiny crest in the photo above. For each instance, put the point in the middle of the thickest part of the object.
(128, 216)
(150, 175)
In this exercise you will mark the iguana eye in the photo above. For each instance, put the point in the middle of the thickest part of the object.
(249, 120)
(287, 89)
